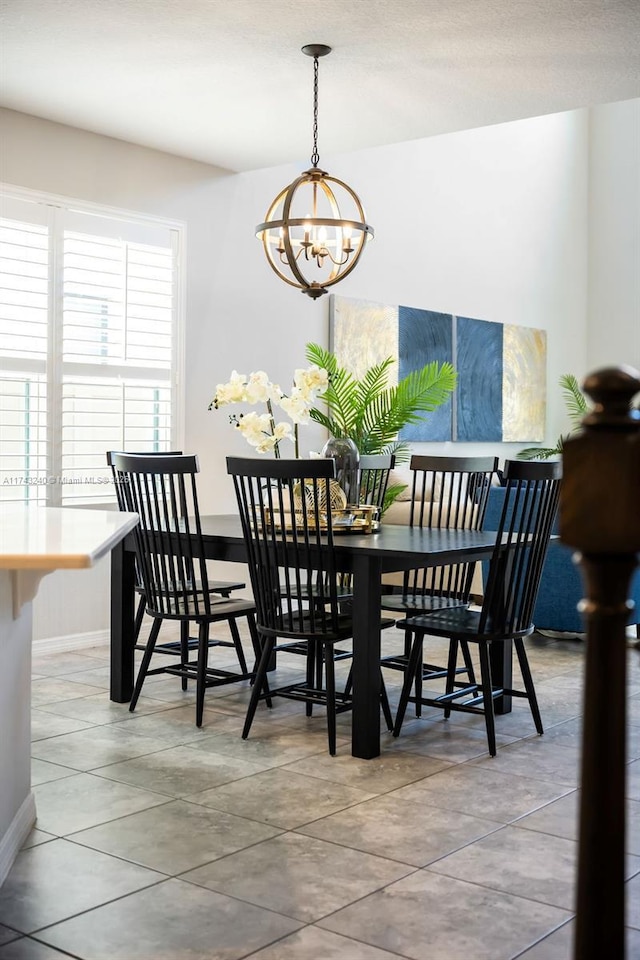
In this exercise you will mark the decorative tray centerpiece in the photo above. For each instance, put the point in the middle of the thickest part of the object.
(345, 518)
(362, 518)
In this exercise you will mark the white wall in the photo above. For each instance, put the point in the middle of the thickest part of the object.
(490, 223)
(613, 330)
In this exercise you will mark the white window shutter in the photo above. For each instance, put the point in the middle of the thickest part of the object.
(24, 333)
(100, 347)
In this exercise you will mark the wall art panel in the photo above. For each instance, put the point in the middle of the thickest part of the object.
(479, 391)
(363, 333)
(425, 336)
(524, 384)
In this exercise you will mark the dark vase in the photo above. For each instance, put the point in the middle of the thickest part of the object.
(345, 453)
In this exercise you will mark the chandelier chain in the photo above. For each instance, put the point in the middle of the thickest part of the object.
(315, 156)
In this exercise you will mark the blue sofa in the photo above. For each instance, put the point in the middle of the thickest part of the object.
(561, 586)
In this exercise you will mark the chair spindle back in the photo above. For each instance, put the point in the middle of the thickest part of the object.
(448, 493)
(374, 477)
(162, 491)
(530, 506)
(288, 531)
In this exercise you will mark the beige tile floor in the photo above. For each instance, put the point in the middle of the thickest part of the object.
(157, 840)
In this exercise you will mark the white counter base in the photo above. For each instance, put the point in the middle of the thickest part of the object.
(15, 724)
(20, 828)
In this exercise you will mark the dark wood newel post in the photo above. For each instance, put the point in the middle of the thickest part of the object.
(600, 517)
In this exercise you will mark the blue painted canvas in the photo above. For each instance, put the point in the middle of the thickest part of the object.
(425, 336)
(479, 390)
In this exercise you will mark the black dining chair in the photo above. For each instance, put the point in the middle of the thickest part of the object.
(373, 480)
(223, 587)
(522, 539)
(173, 570)
(289, 537)
(451, 493)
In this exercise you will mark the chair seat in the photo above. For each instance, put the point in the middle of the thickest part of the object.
(306, 632)
(415, 603)
(460, 623)
(215, 586)
(312, 592)
(221, 609)
(223, 586)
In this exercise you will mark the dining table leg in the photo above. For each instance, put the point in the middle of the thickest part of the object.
(122, 623)
(365, 736)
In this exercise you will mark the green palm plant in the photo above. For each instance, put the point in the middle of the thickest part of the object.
(577, 408)
(370, 412)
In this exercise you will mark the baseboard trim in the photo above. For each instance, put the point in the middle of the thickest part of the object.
(71, 641)
(16, 835)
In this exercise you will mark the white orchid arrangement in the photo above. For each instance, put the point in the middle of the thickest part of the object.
(262, 430)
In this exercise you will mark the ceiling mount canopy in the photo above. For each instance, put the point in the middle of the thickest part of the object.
(315, 229)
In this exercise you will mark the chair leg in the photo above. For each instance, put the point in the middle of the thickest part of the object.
(146, 659)
(184, 650)
(468, 662)
(255, 643)
(203, 658)
(414, 664)
(451, 673)
(260, 683)
(418, 690)
(142, 606)
(257, 650)
(487, 696)
(319, 667)
(384, 702)
(528, 684)
(407, 644)
(329, 665)
(408, 635)
(237, 642)
(312, 657)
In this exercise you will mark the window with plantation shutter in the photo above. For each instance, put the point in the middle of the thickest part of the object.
(88, 346)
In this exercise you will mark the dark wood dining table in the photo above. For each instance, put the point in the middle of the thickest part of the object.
(366, 556)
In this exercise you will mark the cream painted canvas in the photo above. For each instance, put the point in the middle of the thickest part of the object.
(524, 384)
(363, 333)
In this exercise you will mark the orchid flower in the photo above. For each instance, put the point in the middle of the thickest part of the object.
(261, 430)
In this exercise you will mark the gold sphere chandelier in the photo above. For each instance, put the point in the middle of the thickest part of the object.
(315, 229)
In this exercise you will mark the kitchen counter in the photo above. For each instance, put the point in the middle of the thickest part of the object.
(34, 541)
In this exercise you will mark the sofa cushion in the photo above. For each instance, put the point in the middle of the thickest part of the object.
(403, 475)
(400, 512)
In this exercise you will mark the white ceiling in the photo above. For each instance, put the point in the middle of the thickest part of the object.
(224, 81)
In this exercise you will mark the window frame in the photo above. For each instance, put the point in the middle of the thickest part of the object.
(56, 205)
